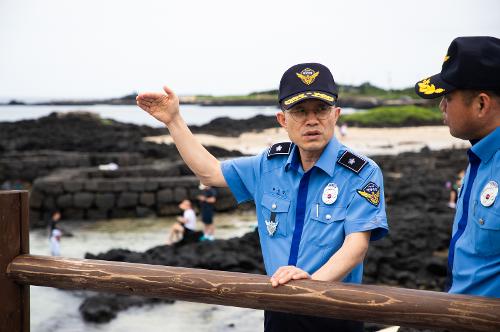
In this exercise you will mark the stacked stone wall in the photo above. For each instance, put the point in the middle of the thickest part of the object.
(27, 166)
(90, 194)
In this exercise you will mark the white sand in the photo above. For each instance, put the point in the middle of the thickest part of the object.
(368, 141)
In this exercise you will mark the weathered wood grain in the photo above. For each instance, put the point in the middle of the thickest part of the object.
(14, 241)
(369, 303)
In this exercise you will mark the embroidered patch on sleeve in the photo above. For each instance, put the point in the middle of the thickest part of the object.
(371, 192)
(352, 162)
(283, 148)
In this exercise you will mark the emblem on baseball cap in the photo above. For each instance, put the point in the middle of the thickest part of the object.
(471, 63)
(308, 75)
(306, 81)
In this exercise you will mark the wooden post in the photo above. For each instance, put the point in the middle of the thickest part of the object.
(379, 304)
(14, 241)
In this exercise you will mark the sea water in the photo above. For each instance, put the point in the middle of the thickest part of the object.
(56, 310)
(192, 114)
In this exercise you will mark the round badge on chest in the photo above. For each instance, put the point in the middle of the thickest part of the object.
(489, 193)
(330, 193)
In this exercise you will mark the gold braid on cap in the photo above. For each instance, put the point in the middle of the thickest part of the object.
(428, 89)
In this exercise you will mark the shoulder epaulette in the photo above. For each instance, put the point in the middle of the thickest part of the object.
(352, 162)
(283, 148)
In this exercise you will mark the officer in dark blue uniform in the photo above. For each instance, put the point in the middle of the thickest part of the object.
(469, 84)
(318, 203)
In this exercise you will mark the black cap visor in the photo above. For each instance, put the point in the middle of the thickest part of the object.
(433, 87)
(293, 100)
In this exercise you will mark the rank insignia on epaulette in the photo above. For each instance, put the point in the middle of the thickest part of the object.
(352, 162)
(283, 148)
(371, 192)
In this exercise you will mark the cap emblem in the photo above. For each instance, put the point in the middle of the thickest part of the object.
(446, 58)
(427, 88)
(308, 75)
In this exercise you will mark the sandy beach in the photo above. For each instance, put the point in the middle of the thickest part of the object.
(368, 141)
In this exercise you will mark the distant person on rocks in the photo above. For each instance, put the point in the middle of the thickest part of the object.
(6, 185)
(185, 224)
(469, 84)
(207, 200)
(343, 130)
(455, 189)
(55, 234)
(318, 203)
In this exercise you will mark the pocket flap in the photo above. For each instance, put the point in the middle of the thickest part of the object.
(275, 204)
(326, 214)
(490, 220)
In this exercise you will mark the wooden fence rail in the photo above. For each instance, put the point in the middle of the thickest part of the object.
(379, 304)
(388, 305)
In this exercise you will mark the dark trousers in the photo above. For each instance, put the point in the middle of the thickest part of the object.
(283, 322)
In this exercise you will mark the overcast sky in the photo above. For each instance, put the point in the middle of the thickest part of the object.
(94, 48)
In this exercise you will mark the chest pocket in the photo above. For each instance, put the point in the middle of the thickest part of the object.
(486, 232)
(276, 208)
(327, 226)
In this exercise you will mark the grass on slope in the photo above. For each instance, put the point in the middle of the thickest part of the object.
(394, 116)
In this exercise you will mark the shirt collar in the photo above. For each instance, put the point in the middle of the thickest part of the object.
(487, 146)
(326, 161)
(293, 159)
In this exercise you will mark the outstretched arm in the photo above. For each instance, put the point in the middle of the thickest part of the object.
(165, 108)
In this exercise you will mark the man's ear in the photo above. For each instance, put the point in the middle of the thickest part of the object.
(483, 104)
(280, 116)
(336, 113)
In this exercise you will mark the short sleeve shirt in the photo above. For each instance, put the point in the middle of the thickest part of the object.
(273, 183)
(476, 266)
(190, 218)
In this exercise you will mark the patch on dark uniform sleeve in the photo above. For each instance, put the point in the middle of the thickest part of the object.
(351, 161)
(283, 148)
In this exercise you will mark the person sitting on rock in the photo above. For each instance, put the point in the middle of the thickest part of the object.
(184, 224)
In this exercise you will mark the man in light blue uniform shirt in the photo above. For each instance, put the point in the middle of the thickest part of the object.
(273, 182)
(469, 83)
(318, 203)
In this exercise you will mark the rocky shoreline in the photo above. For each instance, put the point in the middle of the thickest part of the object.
(65, 158)
(360, 102)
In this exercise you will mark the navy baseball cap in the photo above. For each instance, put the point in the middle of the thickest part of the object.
(306, 81)
(472, 63)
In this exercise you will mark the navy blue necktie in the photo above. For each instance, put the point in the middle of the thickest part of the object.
(300, 212)
(474, 165)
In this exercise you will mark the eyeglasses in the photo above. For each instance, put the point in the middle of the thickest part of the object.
(300, 114)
